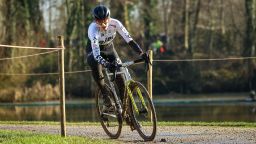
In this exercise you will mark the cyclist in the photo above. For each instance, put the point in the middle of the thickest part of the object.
(100, 49)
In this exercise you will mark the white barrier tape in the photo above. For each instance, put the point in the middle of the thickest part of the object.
(27, 47)
(83, 71)
(38, 74)
(1, 59)
(219, 59)
(28, 74)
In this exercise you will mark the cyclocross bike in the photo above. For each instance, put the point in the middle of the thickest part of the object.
(136, 108)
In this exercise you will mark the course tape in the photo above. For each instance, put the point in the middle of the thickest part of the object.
(217, 59)
(27, 47)
(84, 71)
(1, 59)
(40, 74)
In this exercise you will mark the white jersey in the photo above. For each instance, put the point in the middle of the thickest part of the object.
(98, 37)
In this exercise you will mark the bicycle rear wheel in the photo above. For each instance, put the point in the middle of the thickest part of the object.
(142, 111)
(111, 121)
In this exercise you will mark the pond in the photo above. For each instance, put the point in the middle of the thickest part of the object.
(183, 110)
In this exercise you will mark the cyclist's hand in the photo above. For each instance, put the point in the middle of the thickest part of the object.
(112, 67)
(145, 57)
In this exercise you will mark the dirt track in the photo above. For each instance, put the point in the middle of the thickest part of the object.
(170, 134)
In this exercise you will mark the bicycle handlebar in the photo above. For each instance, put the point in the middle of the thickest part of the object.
(126, 64)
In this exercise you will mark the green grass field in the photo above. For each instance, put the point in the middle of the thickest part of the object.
(18, 137)
(21, 137)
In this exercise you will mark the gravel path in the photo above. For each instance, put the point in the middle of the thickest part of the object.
(165, 134)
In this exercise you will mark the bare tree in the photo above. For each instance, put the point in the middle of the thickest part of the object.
(249, 39)
(22, 25)
(167, 11)
(186, 32)
(222, 17)
(194, 17)
(148, 21)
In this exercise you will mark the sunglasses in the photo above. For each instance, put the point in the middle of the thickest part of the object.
(102, 22)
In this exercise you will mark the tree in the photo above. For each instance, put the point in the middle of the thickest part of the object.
(167, 11)
(21, 25)
(249, 39)
(147, 11)
(186, 25)
(78, 19)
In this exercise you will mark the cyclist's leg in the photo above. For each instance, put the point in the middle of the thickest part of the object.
(111, 56)
(99, 78)
(121, 86)
(97, 74)
(120, 82)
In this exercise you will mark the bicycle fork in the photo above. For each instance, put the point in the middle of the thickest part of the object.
(129, 92)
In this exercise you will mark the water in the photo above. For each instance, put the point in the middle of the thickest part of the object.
(231, 110)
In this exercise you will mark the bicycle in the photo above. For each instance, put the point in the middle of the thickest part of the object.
(136, 108)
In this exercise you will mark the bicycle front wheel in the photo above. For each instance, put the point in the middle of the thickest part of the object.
(142, 111)
(111, 121)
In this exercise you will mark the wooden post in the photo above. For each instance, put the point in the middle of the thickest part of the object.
(62, 85)
(149, 75)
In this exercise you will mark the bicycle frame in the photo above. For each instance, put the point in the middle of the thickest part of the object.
(124, 72)
(135, 107)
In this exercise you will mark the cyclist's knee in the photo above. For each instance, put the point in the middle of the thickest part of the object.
(100, 81)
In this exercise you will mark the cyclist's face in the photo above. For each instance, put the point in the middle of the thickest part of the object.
(103, 23)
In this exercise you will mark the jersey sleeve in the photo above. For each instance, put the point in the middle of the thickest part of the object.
(123, 32)
(93, 36)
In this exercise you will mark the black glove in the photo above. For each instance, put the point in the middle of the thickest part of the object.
(112, 67)
(145, 57)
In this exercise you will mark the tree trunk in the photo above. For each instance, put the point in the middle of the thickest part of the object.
(249, 40)
(126, 16)
(194, 21)
(187, 30)
(212, 22)
(222, 17)
(6, 31)
(147, 20)
(167, 10)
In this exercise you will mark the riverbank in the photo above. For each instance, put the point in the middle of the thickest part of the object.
(168, 109)
(170, 98)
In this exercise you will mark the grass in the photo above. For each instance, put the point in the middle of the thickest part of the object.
(48, 123)
(21, 137)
